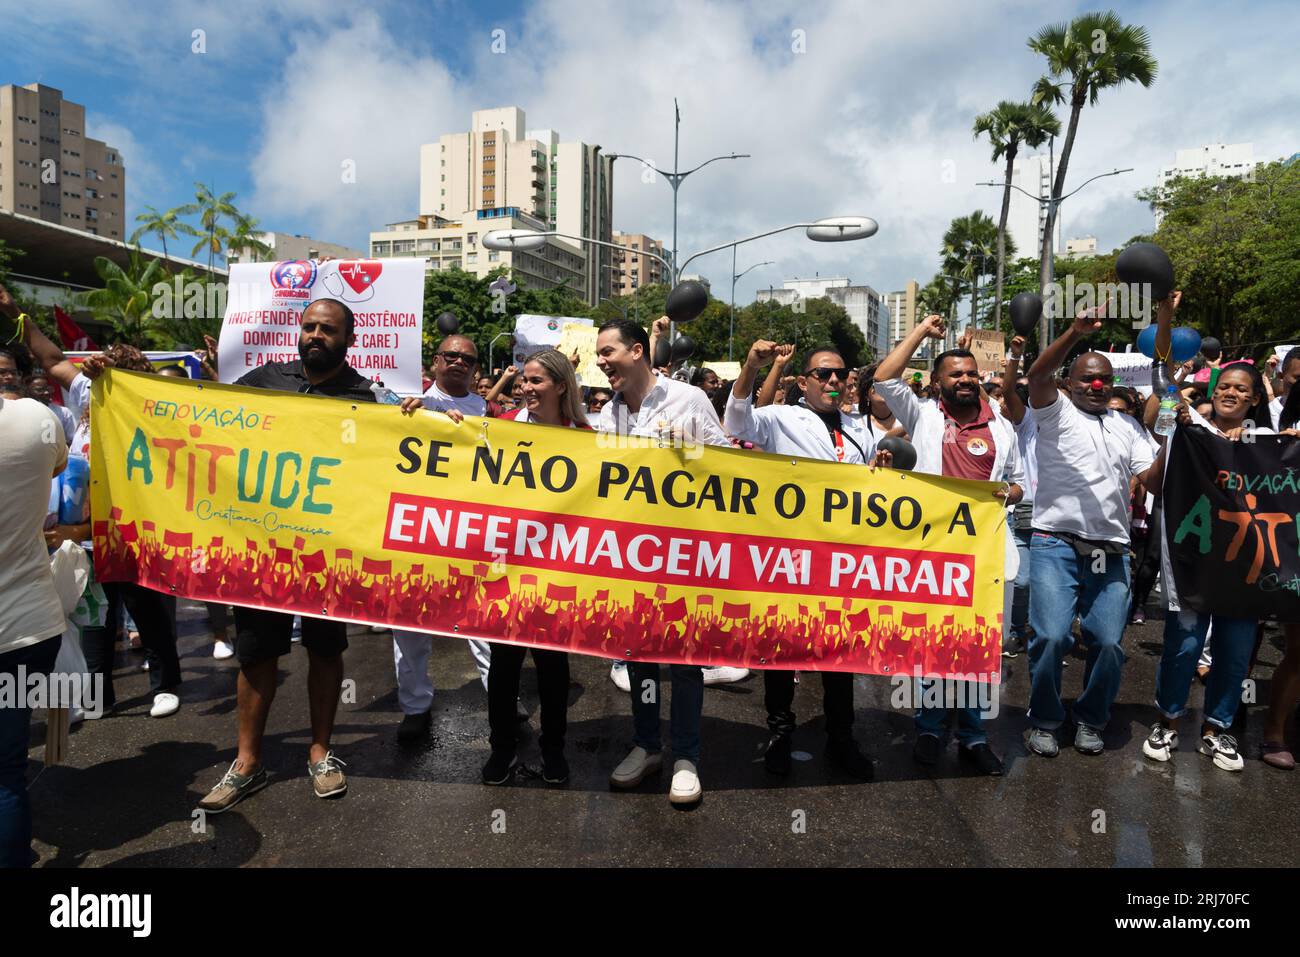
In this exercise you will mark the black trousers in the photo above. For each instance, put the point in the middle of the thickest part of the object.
(1146, 565)
(837, 702)
(503, 691)
(155, 615)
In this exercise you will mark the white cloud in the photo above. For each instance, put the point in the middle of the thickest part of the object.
(875, 117)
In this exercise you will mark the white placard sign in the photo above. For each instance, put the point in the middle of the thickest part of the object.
(1133, 369)
(265, 303)
(535, 333)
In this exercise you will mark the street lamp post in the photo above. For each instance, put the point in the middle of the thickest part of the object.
(676, 177)
(731, 329)
(491, 346)
(1046, 328)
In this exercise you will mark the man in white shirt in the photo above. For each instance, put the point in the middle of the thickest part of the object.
(653, 405)
(454, 365)
(1288, 371)
(1087, 456)
(960, 435)
(32, 451)
(816, 428)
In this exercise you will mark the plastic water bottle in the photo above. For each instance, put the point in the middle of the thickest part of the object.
(384, 395)
(75, 484)
(1168, 416)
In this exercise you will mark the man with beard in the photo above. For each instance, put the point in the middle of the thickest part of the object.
(453, 374)
(960, 435)
(816, 428)
(261, 636)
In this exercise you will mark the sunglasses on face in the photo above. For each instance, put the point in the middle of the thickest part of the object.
(449, 357)
(825, 375)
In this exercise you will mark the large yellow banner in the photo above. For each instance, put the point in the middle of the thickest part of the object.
(593, 543)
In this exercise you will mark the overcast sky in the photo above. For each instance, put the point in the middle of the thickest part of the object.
(873, 116)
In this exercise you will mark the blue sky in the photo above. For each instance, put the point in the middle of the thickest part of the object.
(872, 116)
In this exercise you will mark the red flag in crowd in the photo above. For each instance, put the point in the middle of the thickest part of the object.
(913, 621)
(674, 610)
(370, 566)
(73, 336)
(704, 599)
(497, 590)
(602, 595)
(177, 539)
(315, 562)
(735, 611)
(528, 580)
(299, 543)
(861, 621)
(561, 592)
(284, 556)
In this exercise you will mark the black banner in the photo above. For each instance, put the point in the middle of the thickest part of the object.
(1231, 510)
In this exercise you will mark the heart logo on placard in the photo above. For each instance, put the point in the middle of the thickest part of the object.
(360, 274)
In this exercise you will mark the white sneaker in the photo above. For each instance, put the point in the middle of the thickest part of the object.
(724, 676)
(164, 703)
(1223, 748)
(222, 650)
(1161, 743)
(686, 784)
(636, 767)
(618, 675)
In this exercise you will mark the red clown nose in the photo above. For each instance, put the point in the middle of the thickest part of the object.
(1098, 385)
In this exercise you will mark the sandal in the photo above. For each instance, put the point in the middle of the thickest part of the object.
(1277, 754)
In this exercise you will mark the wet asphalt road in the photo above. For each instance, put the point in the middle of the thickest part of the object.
(127, 795)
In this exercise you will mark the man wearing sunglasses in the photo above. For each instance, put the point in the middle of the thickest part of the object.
(815, 428)
(961, 435)
(454, 367)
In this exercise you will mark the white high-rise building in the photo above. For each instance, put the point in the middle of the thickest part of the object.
(1236, 160)
(1026, 217)
(862, 303)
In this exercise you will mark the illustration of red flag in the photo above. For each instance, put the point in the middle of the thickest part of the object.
(803, 611)
(561, 592)
(885, 611)
(370, 566)
(735, 611)
(115, 513)
(73, 336)
(704, 599)
(497, 590)
(661, 592)
(217, 543)
(674, 610)
(100, 530)
(250, 545)
(771, 611)
(528, 580)
(416, 571)
(284, 556)
(948, 619)
(833, 616)
(861, 621)
(979, 621)
(480, 571)
(343, 554)
(846, 604)
(602, 595)
(148, 526)
(177, 539)
(913, 621)
(299, 543)
(313, 563)
(821, 607)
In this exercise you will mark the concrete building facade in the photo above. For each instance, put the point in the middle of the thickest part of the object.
(902, 311)
(632, 268)
(1236, 160)
(862, 303)
(285, 246)
(51, 170)
(1027, 217)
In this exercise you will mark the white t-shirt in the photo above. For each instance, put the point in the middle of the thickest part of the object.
(79, 399)
(469, 404)
(1275, 412)
(1027, 445)
(669, 405)
(67, 419)
(32, 449)
(1085, 462)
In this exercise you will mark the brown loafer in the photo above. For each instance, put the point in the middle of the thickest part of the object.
(1276, 754)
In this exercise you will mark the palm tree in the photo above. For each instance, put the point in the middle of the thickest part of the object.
(1094, 52)
(1007, 127)
(969, 246)
(212, 209)
(162, 225)
(124, 302)
(246, 238)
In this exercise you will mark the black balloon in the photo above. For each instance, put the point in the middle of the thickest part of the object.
(663, 352)
(448, 324)
(686, 301)
(1211, 348)
(1026, 310)
(904, 452)
(1146, 263)
(683, 348)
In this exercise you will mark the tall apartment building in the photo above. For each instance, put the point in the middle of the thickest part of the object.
(50, 169)
(862, 303)
(500, 165)
(1236, 160)
(902, 311)
(632, 268)
(1027, 217)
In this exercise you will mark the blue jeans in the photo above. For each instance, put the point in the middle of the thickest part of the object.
(934, 721)
(1232, 642)
(688, 705)
(1063, 583)
(1020, 593)
(15, 738)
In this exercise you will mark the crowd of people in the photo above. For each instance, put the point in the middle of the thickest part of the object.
(1072, 457)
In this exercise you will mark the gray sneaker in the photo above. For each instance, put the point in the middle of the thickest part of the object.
(1088, 740)
(233, 788)
(327, 777)
(1041, 741)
